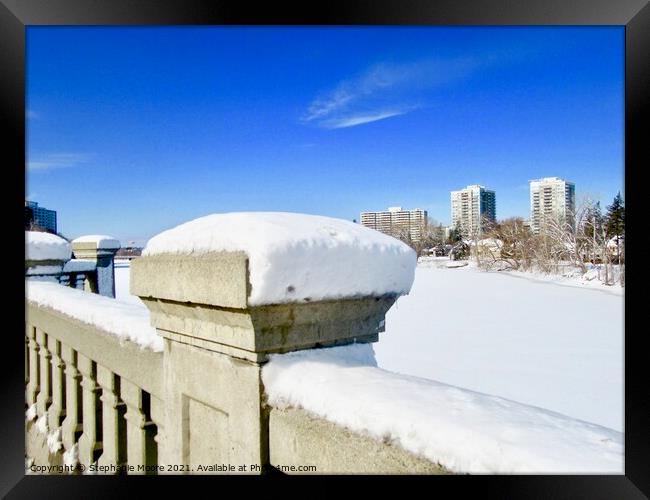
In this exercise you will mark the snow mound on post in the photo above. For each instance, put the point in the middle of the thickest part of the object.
(463, 430)
(46, 246)
(297, 257)
(102, 241)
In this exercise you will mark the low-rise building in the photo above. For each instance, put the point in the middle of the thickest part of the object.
(397, 222)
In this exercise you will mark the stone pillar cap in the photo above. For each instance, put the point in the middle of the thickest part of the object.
(100, 241)
(46, 247)
(260, 258)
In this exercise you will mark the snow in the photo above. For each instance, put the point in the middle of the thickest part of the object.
(30, 414)
(101, 240)
(79, 265)
(71, 457)
(297, 257)
(463, 430)
(552, 344)
(47, 278)
(490, 242)
(573, 276)
(54, 441)
(122, 282)
(46, 246)
(43, 270)
(41, 424)
(125, 320)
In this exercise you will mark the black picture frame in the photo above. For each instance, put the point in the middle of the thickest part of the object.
(15, 15)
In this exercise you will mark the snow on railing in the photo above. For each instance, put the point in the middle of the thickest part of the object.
(462, 430)
(124, 320)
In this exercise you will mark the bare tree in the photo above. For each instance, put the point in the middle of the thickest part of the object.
(432, 234)
(516, 243)
(484, 251)
(403, 233)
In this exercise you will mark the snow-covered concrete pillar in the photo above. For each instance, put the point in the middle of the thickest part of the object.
(228, 290)
(45, 254)
(100, 249)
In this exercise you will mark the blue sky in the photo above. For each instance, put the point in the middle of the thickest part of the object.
(131, 131)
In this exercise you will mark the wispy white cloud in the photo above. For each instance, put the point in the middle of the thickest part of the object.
(57, 160)
(352, 120)
(383, 91)
(32, 115)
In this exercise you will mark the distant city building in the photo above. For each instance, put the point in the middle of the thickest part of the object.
(551, 198)
(39, 216)
(129, 252)
(396, 222)
(471, 208)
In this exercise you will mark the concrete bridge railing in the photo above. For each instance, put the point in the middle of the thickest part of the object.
(194, 400)
(93, 399)
(225, 365)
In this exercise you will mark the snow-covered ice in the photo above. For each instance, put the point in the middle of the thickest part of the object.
(464, 431)
(46, 246)
(296, 257)
(101, 240)
(122, 319)
(554, 345)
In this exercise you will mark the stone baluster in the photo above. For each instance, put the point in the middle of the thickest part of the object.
(90, 442)
(73, 400)
(113, 410)
(158, 417)
(44, 396)
(34, 366)
(141, 450)
(57, 409)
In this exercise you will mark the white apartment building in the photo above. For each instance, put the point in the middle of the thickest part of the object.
(471, 207)
(396, 221)
(551, 198)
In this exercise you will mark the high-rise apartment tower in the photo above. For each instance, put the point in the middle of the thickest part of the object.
(472, 208)
(552, 199)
